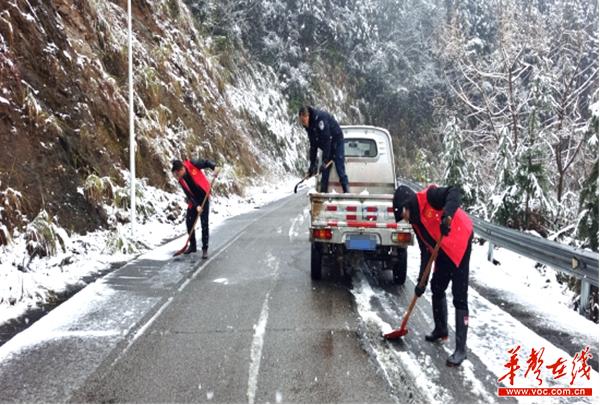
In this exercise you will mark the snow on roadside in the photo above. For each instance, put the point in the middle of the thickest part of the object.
(492, 331)
(27, 285)
(520, 282)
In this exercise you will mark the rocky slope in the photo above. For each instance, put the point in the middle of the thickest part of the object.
(64, 111)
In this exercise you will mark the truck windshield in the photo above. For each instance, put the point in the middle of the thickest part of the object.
(360, 148)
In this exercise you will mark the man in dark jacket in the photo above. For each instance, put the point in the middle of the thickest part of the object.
(434, 213)
(195, 186)
(324, 133)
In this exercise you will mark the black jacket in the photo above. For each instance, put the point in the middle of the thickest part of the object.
(197, 194)
(323, 133)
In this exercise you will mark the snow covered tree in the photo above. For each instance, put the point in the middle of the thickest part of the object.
(504, 200)
(457, 169)
(523, 70)
(587, 228)
(588, 223)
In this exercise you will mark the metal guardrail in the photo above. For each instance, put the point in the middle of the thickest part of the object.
(579, 263)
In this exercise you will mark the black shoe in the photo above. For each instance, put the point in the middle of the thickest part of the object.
(189, 250)
(205, 253)
(462, 325)
(440, 319)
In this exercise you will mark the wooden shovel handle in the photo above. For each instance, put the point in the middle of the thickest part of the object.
(422, 282)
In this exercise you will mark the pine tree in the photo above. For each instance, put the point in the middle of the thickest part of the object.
(587, 228)
(456, 165)
(504, 202)
(588, 225)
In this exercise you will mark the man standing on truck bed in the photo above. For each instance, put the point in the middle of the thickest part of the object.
(324, 133)
(434, 213)
(195, 186)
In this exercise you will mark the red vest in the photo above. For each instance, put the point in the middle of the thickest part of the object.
(198, 177)
(461, 228)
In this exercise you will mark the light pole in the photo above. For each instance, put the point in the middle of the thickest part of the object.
(131, 122)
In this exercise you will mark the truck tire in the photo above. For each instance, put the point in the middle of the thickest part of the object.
(316, 261)
(399, 267)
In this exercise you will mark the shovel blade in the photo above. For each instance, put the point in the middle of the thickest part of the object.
(395, 334)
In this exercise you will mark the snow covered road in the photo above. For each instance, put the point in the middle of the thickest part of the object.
(249, 325)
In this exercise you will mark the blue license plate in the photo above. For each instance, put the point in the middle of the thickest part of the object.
(361, 242)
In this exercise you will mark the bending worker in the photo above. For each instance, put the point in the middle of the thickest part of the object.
(195, 186)
(324, 133)
(434, 213)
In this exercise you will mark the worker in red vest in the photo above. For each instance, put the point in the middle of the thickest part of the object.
(433, 213)
(195, 185)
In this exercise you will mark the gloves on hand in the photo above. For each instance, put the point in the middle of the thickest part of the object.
(419, 290)
(445, 224)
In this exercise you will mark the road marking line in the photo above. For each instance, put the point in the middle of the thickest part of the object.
(196, 272)
(143, 329)
(256, 349)
(185, 283)
(259, 333)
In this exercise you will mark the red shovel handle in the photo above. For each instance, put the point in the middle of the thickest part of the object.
(402, 330)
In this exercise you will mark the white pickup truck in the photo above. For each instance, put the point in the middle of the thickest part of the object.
(361, 221)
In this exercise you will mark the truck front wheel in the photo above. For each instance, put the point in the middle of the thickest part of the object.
(399, 266)
(316, 260)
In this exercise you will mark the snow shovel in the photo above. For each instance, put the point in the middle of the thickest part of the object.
(187, 242)
(402, 330)
(309, 176)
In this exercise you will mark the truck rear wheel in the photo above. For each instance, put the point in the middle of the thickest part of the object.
(399, 266)
(316, 261)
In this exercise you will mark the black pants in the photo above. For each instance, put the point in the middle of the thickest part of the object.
(189, 221)
(445, 271)
(340, 167)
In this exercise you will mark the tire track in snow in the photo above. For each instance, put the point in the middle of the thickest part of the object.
(402, 371)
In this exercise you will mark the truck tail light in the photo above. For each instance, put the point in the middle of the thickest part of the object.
(390, 210)
(371, 209)
(350, 217)
(401, 237)
(323, 233)
(371, 217)
(351, 208)
(331, 208)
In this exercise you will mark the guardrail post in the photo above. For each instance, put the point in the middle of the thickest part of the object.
(490, 251)
(584, 297)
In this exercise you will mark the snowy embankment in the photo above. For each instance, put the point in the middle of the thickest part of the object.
(29, 283)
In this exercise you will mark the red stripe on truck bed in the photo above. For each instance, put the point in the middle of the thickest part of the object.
(358, 224)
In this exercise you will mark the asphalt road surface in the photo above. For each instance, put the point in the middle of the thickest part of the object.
(247, 325)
